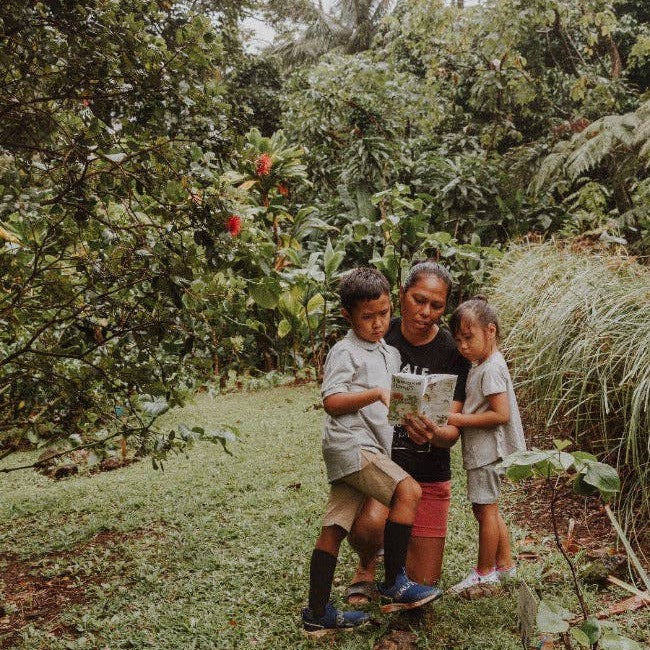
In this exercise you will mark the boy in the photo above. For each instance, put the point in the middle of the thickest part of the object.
(356, 449)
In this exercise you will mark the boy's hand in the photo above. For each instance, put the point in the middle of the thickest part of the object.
(383, 395)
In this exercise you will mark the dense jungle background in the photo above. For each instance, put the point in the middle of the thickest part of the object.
(176, 205)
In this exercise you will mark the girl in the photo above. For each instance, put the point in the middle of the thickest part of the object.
(490, 430)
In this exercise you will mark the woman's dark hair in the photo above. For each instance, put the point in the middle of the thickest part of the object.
(475, 310)
(424, 268)
(362, 283)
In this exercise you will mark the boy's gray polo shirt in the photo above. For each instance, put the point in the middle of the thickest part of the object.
(354, 365)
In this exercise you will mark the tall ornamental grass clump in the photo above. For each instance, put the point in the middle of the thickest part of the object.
(577, 330)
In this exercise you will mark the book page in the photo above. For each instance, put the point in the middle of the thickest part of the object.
(437, 398)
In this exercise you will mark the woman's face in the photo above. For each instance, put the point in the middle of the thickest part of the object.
(423, 304)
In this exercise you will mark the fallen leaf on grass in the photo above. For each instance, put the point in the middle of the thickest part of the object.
(480, 591)
(531, 557)
(294, 486)
(397, 640)
(627, 605)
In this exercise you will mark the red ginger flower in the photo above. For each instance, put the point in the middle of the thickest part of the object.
(283, 189)
(263, 164)
(233, 225)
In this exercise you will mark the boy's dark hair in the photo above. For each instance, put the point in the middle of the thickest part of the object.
(427, 267)
(362, 283)
(475, 310)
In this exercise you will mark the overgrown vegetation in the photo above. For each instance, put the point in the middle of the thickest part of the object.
(579, 338)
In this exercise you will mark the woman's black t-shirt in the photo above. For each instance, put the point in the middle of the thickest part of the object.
(426, 463)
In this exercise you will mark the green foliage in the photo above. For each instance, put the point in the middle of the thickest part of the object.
(588, 477)
(157, 229)
(115, 132)
(617, 148)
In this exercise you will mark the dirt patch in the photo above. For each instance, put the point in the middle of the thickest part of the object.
(30, 595)
(592, 530)
(582, 525)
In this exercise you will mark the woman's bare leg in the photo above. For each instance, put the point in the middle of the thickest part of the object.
(424, 559)
(366, 538)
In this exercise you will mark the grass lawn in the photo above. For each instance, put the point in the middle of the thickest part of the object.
(213, 552)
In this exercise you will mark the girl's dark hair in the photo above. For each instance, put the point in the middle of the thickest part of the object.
(424, 268)
(476, 310)
(362, 283)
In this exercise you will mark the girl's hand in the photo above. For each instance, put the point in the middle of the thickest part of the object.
(383, 396)
(453, 419)
(420, 429)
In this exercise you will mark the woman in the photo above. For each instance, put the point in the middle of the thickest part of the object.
(420, 447)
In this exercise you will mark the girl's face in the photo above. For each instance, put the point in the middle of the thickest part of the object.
(423, 304)
(475, 341)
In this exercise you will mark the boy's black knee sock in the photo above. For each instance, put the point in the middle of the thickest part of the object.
(321, 576)
(396, 542)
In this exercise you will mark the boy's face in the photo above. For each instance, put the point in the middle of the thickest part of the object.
(370, 318)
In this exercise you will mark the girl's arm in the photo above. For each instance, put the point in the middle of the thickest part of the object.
(344, 403)
(420, 429)
(499, 413)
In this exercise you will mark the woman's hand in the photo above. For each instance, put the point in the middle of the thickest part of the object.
(420, 429)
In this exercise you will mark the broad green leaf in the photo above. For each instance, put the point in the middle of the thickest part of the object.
(527, 458)
(552, 618)
(562, 460)
(290, 304)
(284, 327)
(581, 488)
(518, 472)
(315, 303)
(580, 637)
(332, 259)
(266, 293)
(602, 476)
(591, 629)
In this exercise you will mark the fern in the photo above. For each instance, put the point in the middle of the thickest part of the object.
(625, 139)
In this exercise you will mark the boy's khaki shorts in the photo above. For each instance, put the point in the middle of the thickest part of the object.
(377, 478)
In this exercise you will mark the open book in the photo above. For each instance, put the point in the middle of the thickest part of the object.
(429, 395)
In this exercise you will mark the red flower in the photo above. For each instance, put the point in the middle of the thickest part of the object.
(233, 225)
(263, 164)
(283, 189)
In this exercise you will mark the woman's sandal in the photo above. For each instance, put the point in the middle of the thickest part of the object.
(361, 593)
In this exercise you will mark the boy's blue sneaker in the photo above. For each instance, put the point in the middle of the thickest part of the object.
(406, 594)
(332, 621)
